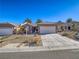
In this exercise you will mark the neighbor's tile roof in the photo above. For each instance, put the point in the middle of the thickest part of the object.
(6, 25)
(50, 24)
(45, 24)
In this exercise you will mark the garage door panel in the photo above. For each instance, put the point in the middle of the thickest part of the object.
(5, 31)
(48, 29)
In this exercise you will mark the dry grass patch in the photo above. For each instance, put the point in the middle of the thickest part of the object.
(32, 41)
(69, 34)
(29, 40)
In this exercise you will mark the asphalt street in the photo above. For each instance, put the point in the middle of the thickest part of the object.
(58, 54)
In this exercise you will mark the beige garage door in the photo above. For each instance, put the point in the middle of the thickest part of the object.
(6, 31)
(47, 29)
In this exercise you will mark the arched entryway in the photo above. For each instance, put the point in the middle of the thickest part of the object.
(69, 28)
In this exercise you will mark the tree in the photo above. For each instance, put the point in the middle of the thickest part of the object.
(69, 20)
(39, 21)
(59, 21)
(27, 20)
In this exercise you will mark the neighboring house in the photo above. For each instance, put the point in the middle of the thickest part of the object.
(6, 28)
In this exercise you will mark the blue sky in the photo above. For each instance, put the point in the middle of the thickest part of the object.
(15, 11)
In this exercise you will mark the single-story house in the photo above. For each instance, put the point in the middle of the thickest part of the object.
(6, 28)
(54, 27)
(47, 28)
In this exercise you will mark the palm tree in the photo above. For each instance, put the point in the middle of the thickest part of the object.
(39, 21)
(27, 20)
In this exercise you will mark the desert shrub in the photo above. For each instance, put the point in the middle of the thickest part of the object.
(65, 34)
(4, 37)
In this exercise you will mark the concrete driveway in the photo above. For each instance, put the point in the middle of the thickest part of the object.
(58, 41)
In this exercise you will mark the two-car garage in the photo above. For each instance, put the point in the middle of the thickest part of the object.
(6, 29)
(47, 28)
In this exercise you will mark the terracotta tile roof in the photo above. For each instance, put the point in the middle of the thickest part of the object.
(50, 24)
(43, 24)
(6, 25)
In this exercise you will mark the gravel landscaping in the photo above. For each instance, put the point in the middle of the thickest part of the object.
(21, 40)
